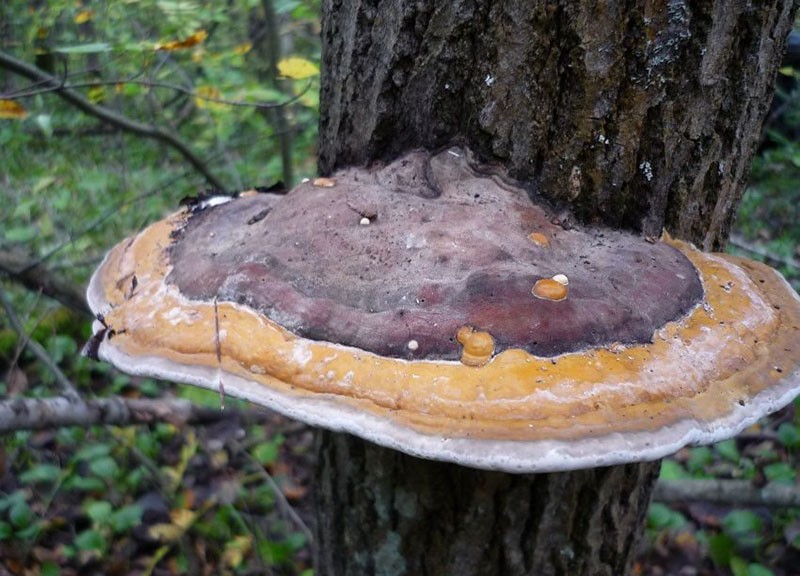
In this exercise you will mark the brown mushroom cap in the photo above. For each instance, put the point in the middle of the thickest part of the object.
(655, 345)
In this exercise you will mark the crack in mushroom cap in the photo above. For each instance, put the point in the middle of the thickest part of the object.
(569, 387)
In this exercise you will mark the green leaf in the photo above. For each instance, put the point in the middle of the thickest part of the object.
(671, 470)
(728, 450)
(662, 517)
(105, 467)
(98, 511)
(720, 548)
(92, 48)
(699, 458)
(42, 183)
(92, 451)
(740, 522)
(21, 234)
(781, 473)
(40, 473)
(759, 570)
(84, 483)
(738, 566)
(90, 540)
(267, 452)
(5, 530)
(789, 435)
(49, 568)
(126, 518)
(20, 514)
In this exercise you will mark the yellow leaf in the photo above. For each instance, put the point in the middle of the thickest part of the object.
(187, 42)
(243, 48)
(205, 96)
(165, 532)
(84, 16)
(97, 94)
(182, 518)
(297, 68)
(236, 549)
(12, 111)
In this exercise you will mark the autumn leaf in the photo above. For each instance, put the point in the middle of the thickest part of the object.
(187, 42)
(297, 68)
(84, 16)
(96, 94)
(236, 550)
(12, 111)
(205, 96)
(243, 48)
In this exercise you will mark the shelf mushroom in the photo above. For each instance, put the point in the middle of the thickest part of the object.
(424, 332)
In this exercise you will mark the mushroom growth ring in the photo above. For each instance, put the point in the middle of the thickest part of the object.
(430, 306)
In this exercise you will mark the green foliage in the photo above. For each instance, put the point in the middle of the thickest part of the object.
(661, 517)
(72, 187)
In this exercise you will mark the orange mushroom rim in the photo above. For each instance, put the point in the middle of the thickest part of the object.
(732, 359)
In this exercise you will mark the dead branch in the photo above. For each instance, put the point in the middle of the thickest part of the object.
(23, 268)
(41, 354)
(772, 258)
(105, 114)
(731, 492)
(47, 413)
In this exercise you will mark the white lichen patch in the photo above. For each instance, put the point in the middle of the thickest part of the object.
(647, 170)
(415, 241)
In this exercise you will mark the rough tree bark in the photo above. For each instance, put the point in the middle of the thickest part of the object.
(638, 115)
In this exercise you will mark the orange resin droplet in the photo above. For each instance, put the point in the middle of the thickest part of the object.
(539, 239)
(478, 346)
(323, 182)
(549, 289)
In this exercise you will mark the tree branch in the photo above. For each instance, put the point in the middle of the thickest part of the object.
(67, 388)
(772, 258)
(146, 130)
(46, 413)
(23, 268)
(733, 492)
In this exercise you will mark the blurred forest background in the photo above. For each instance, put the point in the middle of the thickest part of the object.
(110, 114)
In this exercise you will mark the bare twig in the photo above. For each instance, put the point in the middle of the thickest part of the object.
(23, 268)
(771, 257)
(732, 492)
(47, 413)
(283, 504)
(79, 101)
(69, 391)
(155, 84)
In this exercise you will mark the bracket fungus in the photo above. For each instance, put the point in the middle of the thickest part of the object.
(420, 332)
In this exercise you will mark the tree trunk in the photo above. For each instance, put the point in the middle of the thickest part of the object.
(636, 115)
(381, 512)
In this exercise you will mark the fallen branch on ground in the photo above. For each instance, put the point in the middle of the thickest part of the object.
(47, 413)
(733, 492)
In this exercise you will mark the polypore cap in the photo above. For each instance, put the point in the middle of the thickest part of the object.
(425, 331)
